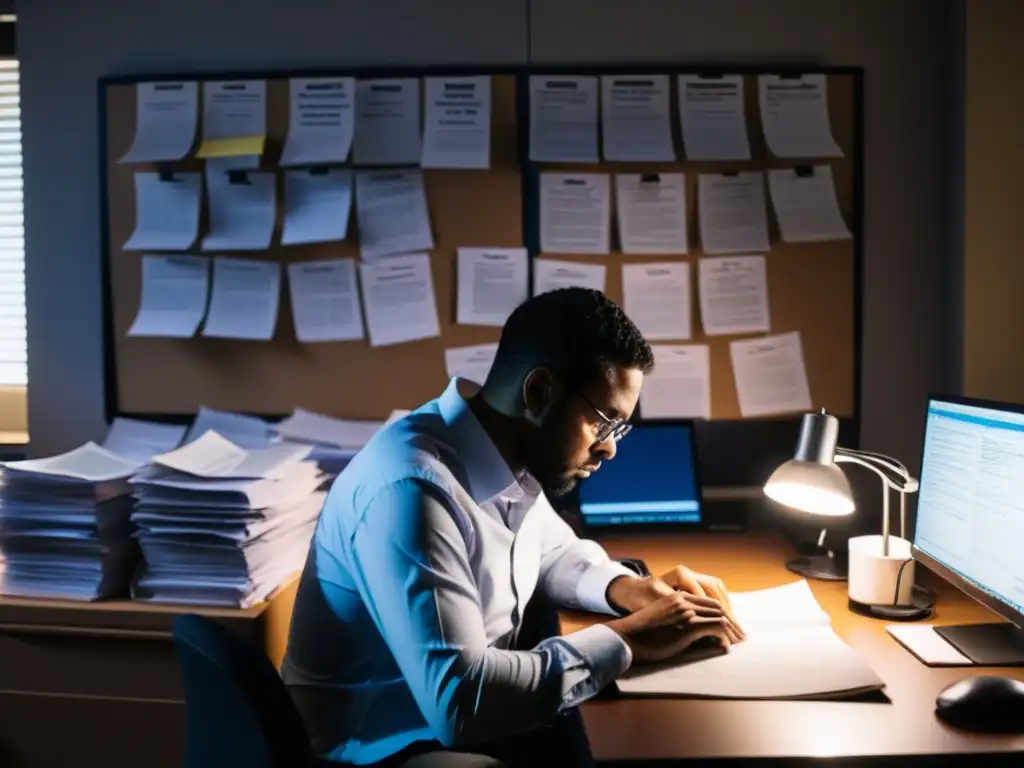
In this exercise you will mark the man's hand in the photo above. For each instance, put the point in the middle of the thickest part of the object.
(671, 624)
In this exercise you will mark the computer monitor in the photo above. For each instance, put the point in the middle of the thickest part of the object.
(970, 518)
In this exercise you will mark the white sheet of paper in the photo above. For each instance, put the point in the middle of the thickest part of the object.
(213, 456)
(244, 299)
(88, 463)
(457, 126)
(241, 215)
(656, 297)
(733, 212)
(387, 122)
(307, 427)
(733, 294)
(398, 298)
(166, 117)
(770, 375)
(322, 121)
(235, 109)
(679, 387)
(794, 116)
(472, 363)
(173, 296)
(652, 212)
(806, 206)
(636, 118)
(166, 212)
(325, 300)
(575, 213)
(552, 274)
(316, 206)
(243, 430)
(391, 207)
(491, 283)
(563, 119)
(713, 117)
(142, 440)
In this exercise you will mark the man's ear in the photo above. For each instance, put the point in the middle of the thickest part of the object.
(538, 395)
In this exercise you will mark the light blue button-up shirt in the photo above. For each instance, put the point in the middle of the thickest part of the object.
(424, 558)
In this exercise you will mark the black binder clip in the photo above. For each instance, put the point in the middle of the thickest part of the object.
(711, 75)
(790, 75)
(165, 173)
(237, 176)
(731, 174)
(804, 171)
(319, 170)
(650, 178)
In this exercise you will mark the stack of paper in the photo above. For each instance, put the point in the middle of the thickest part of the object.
(221, 525)
(332, 442)
(65, 529)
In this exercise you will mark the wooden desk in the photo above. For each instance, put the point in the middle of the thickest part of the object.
(675, 729)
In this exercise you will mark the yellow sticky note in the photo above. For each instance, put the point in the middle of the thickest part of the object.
(232, 146)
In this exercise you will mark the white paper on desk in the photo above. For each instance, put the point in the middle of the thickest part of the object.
(806, 206)
(713, 116)
(733, 294)
(794, 116)
(166, 212)
(244, 300)
(457, 126)
(491, 283)
(679, 387)
(391, 207)
(234, 118)
(242, 212)
(173, 299)
(770, 375)
(656, 297)
(398, 298)
(88, 463)
(316, 206)
(321, 122)
(387, 128)
(472, 363)
(552, 274)
(214, 456)
(142, 440)
(652, 212)
(575, 213)
(325, 300)
(636, 118)
(244, 431)
(733, 214)
(166, 117)
(563, 119)
(307, 427)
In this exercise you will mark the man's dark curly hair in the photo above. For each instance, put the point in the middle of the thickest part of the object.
(579, 333)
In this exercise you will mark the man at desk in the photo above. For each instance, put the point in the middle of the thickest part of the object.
(410, 641)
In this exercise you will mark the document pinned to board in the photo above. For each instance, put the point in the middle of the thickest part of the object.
(636, 118)
(316, 205)
(794, 116)
(457, 125)
(325, 300)
(245, 431)
(491, 283)
(552, 274)
(563, 119)
(679, 387)
(241, 211)
(472, 363)
(713, 115)
(244, 299)
(575, 213)
(173, 296)
(166, 118)
(733, 213)
(234, 118)
(391, 207)
(770, 375)
(167, 209)
(733, 294)
(656, 297)
(225, 165)
(806, 206)
(399, 301)
(321, 121)
(652, 212)
(387, 125)
(142, 440)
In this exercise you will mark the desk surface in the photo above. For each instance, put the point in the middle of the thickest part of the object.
(673, 729)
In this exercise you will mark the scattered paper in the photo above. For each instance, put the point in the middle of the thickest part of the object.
(391, 207)
(552, 274)
(713, 117)
(733, 214)
(733, 295)
(794, 116)
(166, 212)
(472, 363)
(307, 427)
(234, 118)
(679, 387)
(770, 375)
(563, 119)
(322, 121)
(652, 212)
(88, 463)
(575, 213)
(387, 122)
(244, 431)
(325, 300)
(166, 116)
(242, 211)
(398, 298)
(316, 206)
(657, 298)
(806, 206)
(491, 283)
(636, 118)
(173, 296)
(244, 300)
(457, 131)
(213, 456)
(142, 440)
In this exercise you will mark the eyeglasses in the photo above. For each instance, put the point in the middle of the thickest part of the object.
(616, 429)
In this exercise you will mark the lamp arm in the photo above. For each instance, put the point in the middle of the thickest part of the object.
(895, 465)
(875, 464)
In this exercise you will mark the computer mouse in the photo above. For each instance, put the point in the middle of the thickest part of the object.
(986, 703)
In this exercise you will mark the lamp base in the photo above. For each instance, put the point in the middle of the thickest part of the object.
(912, 612)
(821, 567)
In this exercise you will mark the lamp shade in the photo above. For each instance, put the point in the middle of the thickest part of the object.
(809, 486)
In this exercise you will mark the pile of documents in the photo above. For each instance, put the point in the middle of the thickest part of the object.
(331, 442)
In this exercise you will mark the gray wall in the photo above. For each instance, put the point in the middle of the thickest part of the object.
(905, 48)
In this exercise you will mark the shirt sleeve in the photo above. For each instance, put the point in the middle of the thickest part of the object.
(410, 563)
